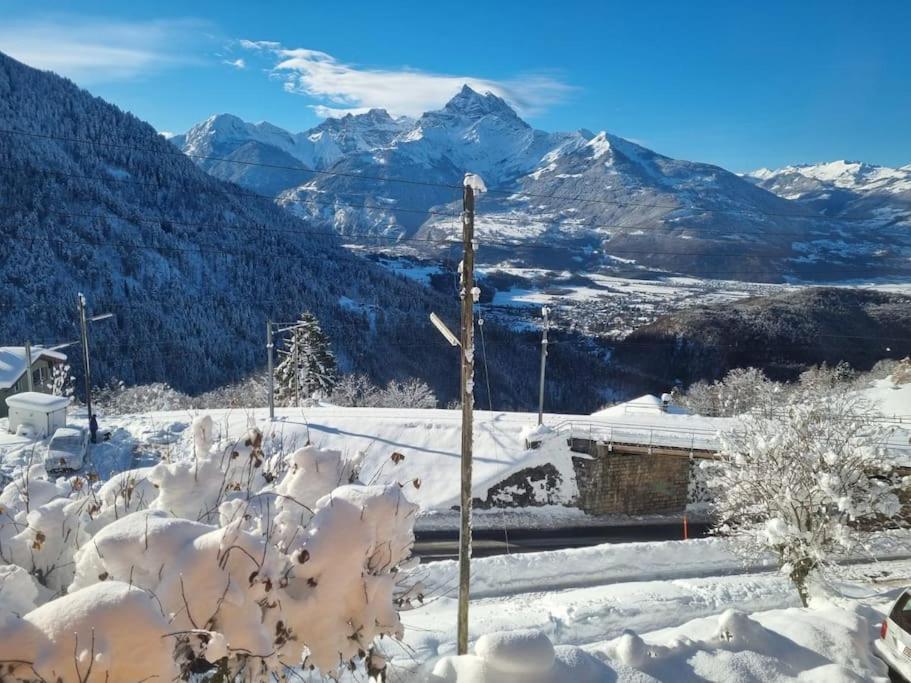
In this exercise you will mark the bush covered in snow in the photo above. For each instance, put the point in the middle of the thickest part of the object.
(799, 483)
(742, 390)
(247, 563)
(358, 390)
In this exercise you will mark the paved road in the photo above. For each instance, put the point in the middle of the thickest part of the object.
(444, 544)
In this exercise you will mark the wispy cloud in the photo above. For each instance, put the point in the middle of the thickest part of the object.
(101, 50)
(350, 89)
(238, 63)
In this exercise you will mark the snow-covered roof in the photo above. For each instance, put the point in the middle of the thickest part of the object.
(647, 404)
(37, 401)
(12, 362)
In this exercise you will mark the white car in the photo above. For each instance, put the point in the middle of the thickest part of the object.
(66, 451)
(894, 644)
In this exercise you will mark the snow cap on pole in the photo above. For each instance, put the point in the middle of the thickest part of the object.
(475, 182)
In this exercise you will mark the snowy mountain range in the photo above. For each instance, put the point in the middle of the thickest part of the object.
(844, 189)
(565, 200)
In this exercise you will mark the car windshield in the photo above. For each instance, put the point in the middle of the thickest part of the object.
(70, 441)
(901, 613)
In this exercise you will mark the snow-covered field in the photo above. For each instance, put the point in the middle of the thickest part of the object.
(429, 440)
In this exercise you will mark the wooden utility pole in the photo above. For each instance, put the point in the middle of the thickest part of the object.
(269, 350)
(86, 370)
(545, 311)
(30, 382)
(467, 392)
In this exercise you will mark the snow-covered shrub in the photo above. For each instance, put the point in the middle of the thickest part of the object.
(358, 390)
(120, 399)
(353, 391)
(61, 382)
(194, 489)
(901, 372)
(108, 632)
(824, 378)
(310, 473)
(798, 484)
(40, 526)
(252, 391)
(411, 393)
(203, 562)
(125, 492)
(18, 592)
(740, 391)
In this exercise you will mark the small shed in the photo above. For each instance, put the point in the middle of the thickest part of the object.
(43, 413)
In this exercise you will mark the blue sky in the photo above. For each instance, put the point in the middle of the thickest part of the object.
(740, 84)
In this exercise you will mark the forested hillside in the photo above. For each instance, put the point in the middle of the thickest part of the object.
(782, 334)
(190, 266)
(92, 199)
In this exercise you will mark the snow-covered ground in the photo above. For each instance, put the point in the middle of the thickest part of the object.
(430, 441)
(675, 595)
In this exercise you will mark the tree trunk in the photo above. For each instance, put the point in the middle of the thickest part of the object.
(800, 571)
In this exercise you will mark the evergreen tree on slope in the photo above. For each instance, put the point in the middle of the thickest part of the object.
(308, 368)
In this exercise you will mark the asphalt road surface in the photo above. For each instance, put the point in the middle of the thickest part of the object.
(444, 544)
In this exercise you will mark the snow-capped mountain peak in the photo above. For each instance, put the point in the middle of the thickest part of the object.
(470, 103)
(853, 175)
(600, 145)
(843, 188)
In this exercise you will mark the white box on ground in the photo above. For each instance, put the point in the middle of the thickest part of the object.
(43, 413)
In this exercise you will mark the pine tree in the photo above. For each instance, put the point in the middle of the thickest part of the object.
(308, 368)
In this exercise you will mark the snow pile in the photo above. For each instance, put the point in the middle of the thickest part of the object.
(18, 592)
(475, 182)
(109, 632)
(825, 644)
(520, 657)
(250, 563)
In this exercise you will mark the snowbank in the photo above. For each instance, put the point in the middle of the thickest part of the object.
(612, 563)
(828, 644)
(521, 657)
(824, 644)
(109, 632)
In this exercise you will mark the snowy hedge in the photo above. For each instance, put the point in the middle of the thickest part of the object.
(234, 561)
